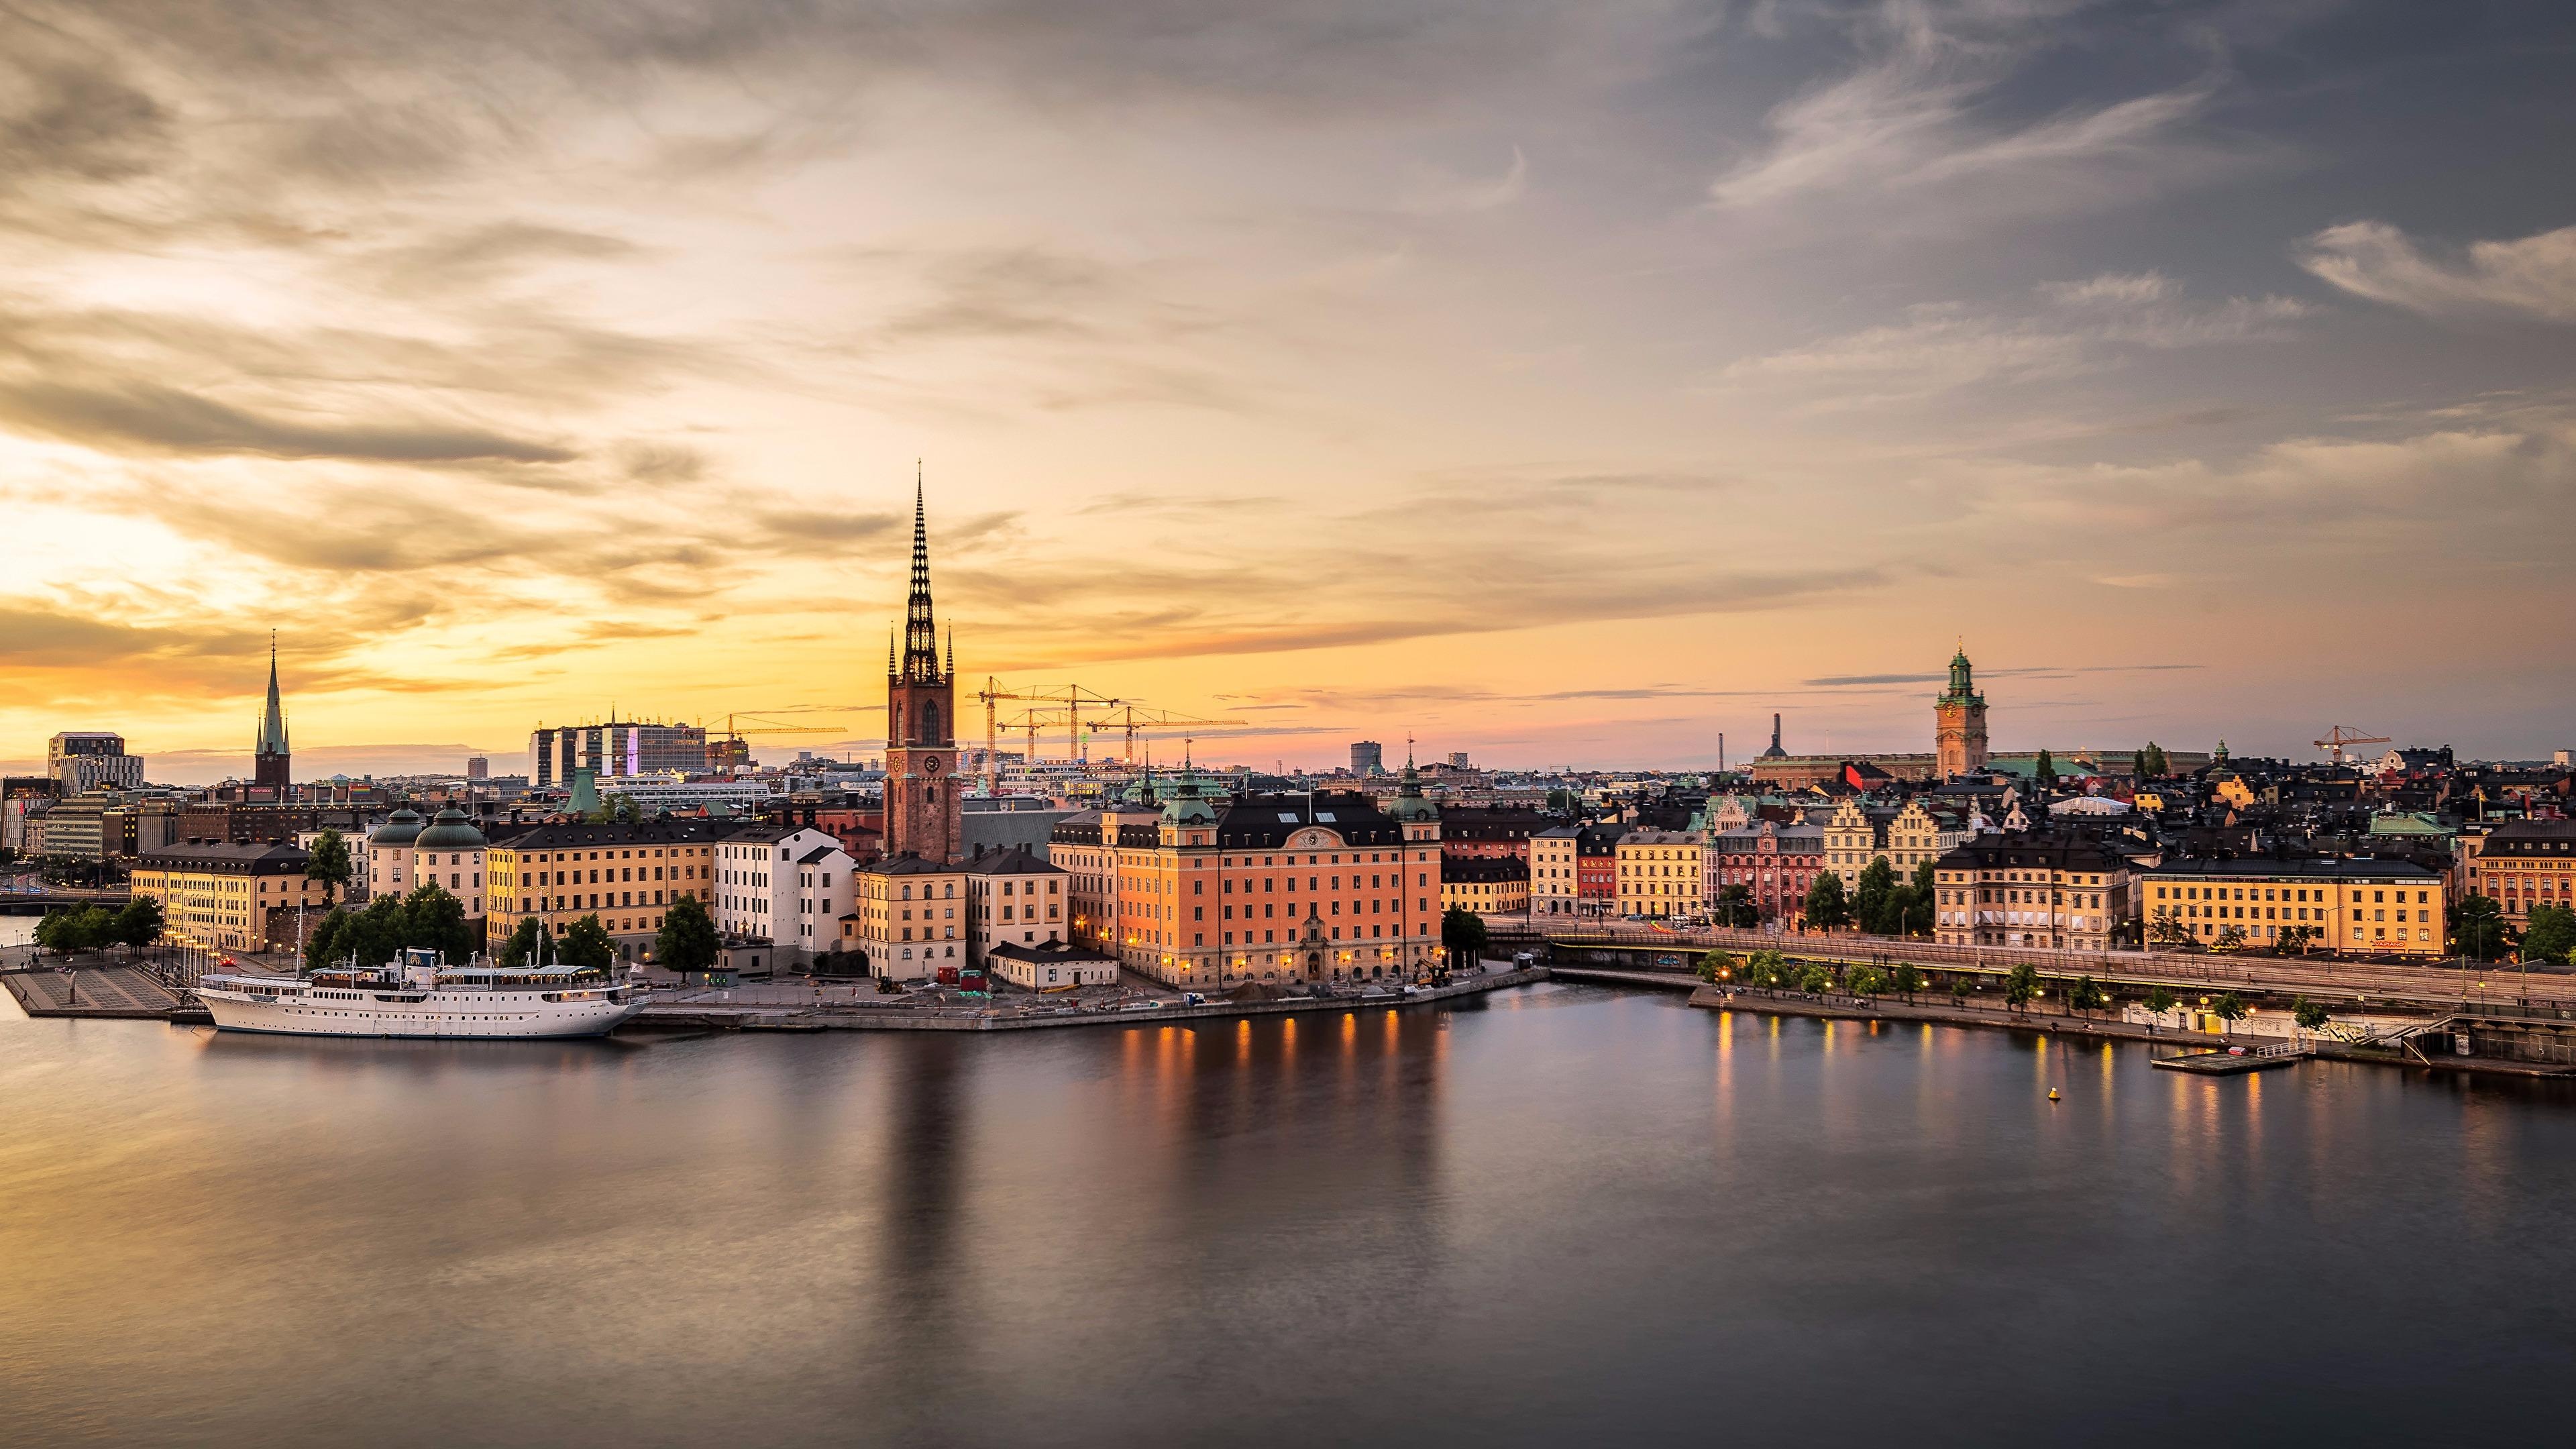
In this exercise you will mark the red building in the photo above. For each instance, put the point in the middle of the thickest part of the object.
(1596, 868)
(1775, 863)
(1473, 832)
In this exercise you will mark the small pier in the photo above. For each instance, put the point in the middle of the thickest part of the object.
(121, 993)
(2234, 1064)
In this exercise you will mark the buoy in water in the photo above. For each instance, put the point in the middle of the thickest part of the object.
(2052, 1094)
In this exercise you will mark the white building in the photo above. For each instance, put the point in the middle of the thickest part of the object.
(788, 885)
(1059, 966)
(1553, 865)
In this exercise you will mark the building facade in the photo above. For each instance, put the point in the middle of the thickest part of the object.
(2356, 906)
(627, 875)
(922, 782)
(1014, 898)
(614, 749)
(783, 886)
(1552, 870)
(1659, 874)
(2061, 891)
(2522, 864)
(84, 760)
(910, 918)
(1486, 885)
(226, 896)
(1959, 722)
(1776, 864)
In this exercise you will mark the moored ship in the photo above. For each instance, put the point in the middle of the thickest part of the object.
(421, 995)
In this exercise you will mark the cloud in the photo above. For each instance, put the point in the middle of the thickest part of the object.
(2533, 276)
(1449, 196)
(2075, 327)
(1916, 117)
(150, 417)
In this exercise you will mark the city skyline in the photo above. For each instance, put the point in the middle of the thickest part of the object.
(1562, 389)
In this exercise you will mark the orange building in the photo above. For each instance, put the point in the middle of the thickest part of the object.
(1269, 888)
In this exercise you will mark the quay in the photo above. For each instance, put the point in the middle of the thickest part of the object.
(115, 993)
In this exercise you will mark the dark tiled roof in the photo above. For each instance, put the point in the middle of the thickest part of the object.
(220, 856)
(1015, 861)
(1264, 822)
(2314, 867)
(1483, 870)
(2047, 852)
(578, 836)
(910, 865)
(1049, 952)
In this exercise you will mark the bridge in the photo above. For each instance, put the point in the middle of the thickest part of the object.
(37, 902)
(2499, 986)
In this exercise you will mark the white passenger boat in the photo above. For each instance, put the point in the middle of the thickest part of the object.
(420, 995)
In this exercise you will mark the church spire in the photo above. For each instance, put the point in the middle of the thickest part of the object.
(272, 725)
(920, 627)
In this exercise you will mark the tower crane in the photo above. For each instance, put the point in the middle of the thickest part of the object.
(2340, 738)
(1131, 719)
(1074, 700)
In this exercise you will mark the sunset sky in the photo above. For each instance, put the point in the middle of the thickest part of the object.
(1556, 382)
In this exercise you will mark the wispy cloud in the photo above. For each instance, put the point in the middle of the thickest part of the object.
(2533, 276)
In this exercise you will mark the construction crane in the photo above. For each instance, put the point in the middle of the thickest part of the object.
(1074, 700)
(763, 725)
(1131, 719)
(2339, 739)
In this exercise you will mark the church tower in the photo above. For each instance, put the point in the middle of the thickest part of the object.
(1959, 722)
(922, 811)
(270, 762)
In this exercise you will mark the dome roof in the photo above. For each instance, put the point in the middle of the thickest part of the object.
(450, 831)
(400, 828)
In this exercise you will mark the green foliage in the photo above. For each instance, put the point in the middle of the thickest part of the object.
(1826, 904)
(2167, 928)
(1462, 934)
(1864, 981)
(1907, 978)
(2156, 765)
(2020, 985)
(139, 923)
(85, 929)
(1816, 979)
(2229, 1008)
(329, 865)
(1718, 966)
(1560, 802)
(2479, 929)
(2308, 1014)
(1875, 902)
(323, 941)
(2295, 940)
(2161, 1000)
(586, 943)
(2044, 769)
(2086, 995)
(2230, 938)
(687, 941)
(524, 947)
(1765, 967)
(433, 918)
(2551, 936)
(1735, 908)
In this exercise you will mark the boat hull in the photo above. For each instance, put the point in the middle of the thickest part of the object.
(451, 1015)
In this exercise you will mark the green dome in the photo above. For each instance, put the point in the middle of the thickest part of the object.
(400, 828)
(450, 831)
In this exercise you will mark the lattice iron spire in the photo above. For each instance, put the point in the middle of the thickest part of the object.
(920, 628)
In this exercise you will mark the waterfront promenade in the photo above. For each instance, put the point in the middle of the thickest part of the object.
(2430, 986)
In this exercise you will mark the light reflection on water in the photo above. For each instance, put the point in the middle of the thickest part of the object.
(1599, 1222)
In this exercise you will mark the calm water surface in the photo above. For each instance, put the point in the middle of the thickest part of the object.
(1563, 1216)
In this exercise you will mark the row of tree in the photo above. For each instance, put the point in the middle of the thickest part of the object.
(137, 923)
(1878, 904)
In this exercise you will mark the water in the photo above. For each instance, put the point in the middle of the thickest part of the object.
(1565, 1216)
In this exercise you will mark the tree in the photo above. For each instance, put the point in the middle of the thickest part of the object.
(2479, 927)
(1717, 966)
(687, 940)
(1864, 981)
(433, 918)
(1874, 903)
(323, 945)
(2308, 1014)
(329, 865)
(2295, 940)
(1815, 980)
(1462, 935)
(1766, 968)
(2020, 985)
(2230, 938)
(1826, 905)
(2159, 1001)
(586, 944)
(139, 923)
(2229, 1009)
(2086, 995)
(1907, 978)
(525, 946)
(1920, 896)
(2167, 928)
(2157, 765)
(1560, 802)
(2550, 936)
(2045, 770)
(1735, 908)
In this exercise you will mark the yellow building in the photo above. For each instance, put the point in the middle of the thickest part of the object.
(2024, 889)
(2522, 864)
(224, 896)
(2355, 907)
(910, 918)
(627, 875)
(1659, 873)
(1487, 885)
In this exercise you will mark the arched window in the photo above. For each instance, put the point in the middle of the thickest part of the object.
(930, 720)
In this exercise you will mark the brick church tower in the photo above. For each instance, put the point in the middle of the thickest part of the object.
(1959, 722)
(922, 813)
